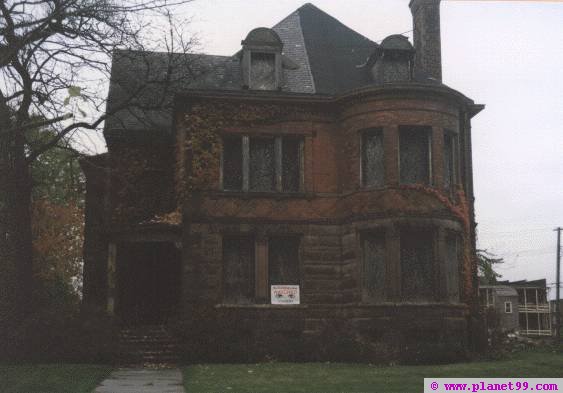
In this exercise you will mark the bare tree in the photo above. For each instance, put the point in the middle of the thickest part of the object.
(54, 56)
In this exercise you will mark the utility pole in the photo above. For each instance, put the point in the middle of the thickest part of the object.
(558, 284)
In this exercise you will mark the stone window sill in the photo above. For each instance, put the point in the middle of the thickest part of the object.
(262, 306)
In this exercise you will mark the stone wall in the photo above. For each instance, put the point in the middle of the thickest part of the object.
(330, 216)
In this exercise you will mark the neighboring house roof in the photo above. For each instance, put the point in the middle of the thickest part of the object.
(321, 56)
(525, 283)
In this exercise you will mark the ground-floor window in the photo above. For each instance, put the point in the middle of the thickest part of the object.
(283, 260)
(374, 267)
(250, 267)
(417, 264)
(238, 270)
(452, 266)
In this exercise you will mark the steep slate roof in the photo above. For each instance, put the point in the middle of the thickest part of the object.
(328, 56)
(335, 51)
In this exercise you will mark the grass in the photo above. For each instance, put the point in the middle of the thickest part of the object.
(348, 378)
(51, 378)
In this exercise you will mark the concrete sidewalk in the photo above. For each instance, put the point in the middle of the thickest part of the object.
(138, 380)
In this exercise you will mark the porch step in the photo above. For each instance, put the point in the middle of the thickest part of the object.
(148, 345)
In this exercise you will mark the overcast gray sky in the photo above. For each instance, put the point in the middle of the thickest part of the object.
(507, 55)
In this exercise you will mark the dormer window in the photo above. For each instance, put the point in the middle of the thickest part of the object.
(392, 60)
(263, 71)
(262, 60)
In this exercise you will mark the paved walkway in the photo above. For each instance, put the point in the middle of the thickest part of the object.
(138, 380)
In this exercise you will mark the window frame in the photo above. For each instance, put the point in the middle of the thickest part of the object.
(455, 170)
(261, 285)
(459, 245)
(278, 163)
(363, 237)
(294, 237)
(509, 308)
(428, 131)
(432, 232)
(251, 239)
(266, 53)
(363, 133)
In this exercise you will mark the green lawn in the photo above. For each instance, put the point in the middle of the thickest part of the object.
(347, 378)
(52, 378)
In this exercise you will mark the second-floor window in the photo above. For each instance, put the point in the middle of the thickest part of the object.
(372, 158)
(262, 163)
(414, 154)
(450, 160)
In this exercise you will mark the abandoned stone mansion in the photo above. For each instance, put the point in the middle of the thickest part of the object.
(309, 197)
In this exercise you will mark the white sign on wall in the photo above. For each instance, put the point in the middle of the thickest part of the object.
(285, 294)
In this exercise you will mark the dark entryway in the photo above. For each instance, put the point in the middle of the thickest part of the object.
(148, 282)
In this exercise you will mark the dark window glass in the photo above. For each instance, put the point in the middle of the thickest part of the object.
(238, 270)
(283, 260)
(290, 164)
(262, 71)
(417, 256)
(453, 254)
(414, 154)
(372, 158)
(261, 167)
(374, 267)
(232, 163)
(450, 165)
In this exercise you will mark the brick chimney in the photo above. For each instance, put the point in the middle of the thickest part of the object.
(427, 43)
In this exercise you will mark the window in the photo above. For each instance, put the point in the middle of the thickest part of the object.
(238, 270)
(373, 170)
(374, 269)
(450, 160)
(263, 71)
(250, 267)
(452, 268)
(291, 164)
(283, 260)
(508, 307)
(417, 264)
(262, 164)
(232, 163)
(414, 154)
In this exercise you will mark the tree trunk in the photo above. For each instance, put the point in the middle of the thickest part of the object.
(16, 250)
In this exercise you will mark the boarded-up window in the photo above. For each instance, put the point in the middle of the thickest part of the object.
(238, 270)
(417, 260)
(453, 254)
(373, 174)
(283, 260)
(450, 160)
(374, 271)
(291, 164)
(232, 163)
(261, 167)
(262, 71)
(414, 143)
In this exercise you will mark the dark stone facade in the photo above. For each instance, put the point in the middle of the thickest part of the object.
(386, 270)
